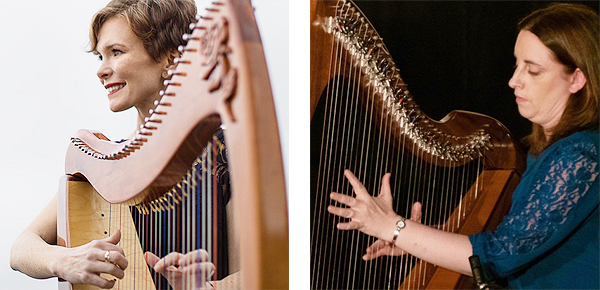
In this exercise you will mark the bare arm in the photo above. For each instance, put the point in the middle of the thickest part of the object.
(36, 254)
(375, 216)
(35, 250)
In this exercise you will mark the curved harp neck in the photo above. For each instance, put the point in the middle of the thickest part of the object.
(351, 46)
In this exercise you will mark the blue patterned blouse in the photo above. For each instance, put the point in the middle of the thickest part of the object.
(549, 239)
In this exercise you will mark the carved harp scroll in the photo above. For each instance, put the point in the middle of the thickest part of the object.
(462, 168)
(220, 79)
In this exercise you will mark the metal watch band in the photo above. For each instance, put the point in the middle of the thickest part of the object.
(400, 224)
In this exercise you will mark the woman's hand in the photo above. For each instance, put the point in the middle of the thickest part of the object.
(384, 248)
(189, 271)
(84, 264)
(373, 216)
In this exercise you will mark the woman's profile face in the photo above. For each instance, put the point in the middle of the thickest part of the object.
(542, 88)
(129, 74)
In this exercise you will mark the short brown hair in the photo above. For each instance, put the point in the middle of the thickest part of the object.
(570, 31)
(160, 24)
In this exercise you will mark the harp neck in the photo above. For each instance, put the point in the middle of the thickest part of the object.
(353, 47)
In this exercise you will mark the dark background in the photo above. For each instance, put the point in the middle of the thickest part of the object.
(456, 55)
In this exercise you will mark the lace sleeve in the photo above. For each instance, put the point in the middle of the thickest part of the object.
(550, 202)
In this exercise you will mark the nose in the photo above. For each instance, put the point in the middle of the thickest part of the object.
(515, 81)
(104, 71)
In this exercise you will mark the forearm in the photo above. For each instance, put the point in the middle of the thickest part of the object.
(31, 255)
(34, 252)
(445, 249)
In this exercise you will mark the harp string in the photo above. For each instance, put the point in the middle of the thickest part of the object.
(317, 245)
(348, 141)
(355, 77)
(183, 220)
(340, 123)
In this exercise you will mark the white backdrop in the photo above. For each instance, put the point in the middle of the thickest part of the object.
(51, 90)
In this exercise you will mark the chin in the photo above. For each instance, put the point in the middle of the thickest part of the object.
(117, 107)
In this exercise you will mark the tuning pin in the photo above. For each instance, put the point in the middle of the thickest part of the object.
(157, 102)
(188, 36)
(162, 93)
(179, 60)
(176, 73)
(171, 83)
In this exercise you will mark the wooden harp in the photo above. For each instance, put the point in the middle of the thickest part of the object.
(462, 168)
(220, 80)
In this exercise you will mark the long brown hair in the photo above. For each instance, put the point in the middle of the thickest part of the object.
(570, 31)
(160, 24)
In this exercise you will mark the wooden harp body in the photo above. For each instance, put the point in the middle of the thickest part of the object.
(462, 168)
(221, 79)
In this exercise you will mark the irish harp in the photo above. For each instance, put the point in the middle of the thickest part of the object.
(220, 80)
(462, 168)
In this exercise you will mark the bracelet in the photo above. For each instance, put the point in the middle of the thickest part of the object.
(400, 224)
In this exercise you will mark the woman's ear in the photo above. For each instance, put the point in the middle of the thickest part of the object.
(578, 80)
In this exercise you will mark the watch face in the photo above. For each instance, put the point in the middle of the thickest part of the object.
(400, 224)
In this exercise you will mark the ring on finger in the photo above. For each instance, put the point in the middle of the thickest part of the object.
(107, 257)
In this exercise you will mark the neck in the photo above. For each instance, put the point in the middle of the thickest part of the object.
(141, 116)
(143, 110)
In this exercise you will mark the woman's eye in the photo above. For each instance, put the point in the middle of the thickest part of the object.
(116, 52)
(99, 57)
(534, 73)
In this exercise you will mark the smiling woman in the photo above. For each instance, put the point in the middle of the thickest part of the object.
(129, 81)
(132, 77)
(116, 36)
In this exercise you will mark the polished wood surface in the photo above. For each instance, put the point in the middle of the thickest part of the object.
(92, 218)
(221, 79)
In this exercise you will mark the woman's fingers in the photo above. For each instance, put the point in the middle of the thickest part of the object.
(112, 269)
(377, 245)
(351, 225)
(203, 269)
(340, 211)
(358, 187)
(415, 213)
(343, 199)
(151, 259)
(197, 274)
(376, 250)
(96, 280)
(382, 248)
(386, 190)
(114, 257)
(111, 242)
(169, 260)
(189, 271)
(196, 256)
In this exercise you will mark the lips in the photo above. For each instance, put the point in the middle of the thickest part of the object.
(520, 99)
(114, 87)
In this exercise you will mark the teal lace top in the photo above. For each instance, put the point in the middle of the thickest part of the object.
(549, 239)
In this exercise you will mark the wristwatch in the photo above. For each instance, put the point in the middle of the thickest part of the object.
(400, 224)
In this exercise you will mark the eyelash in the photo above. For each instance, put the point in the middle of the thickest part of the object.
(529, 72)
(115, 52)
